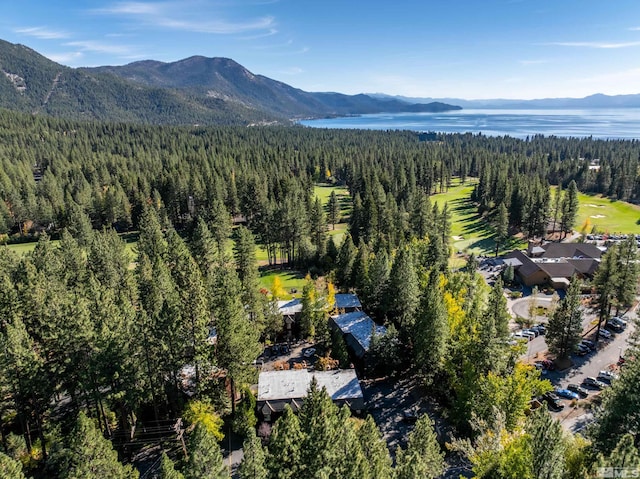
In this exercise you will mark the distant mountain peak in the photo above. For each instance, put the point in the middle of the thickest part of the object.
(196, 89)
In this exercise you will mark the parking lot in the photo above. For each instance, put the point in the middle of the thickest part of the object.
(605, 357)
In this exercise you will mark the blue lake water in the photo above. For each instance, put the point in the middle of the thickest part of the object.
(598, 123)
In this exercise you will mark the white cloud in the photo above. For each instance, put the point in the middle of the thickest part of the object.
(635, 29)
(43, 33)
(605, 45)
(175, 16)
(100, 47)
(64, 58)
(216, 26)
(133, 8)
(270, 33)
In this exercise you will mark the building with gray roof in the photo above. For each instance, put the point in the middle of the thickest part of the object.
(278, 388)
(357, 329)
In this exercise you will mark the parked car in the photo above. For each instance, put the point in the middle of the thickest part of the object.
(553, 402)
(529, 334)
(309, 352)
(531, 330)
(620, 321)
(579, 390)
(520, 335)
(582, 350)
(604, 334)
(539, 328)
(593, 383)
(590, 344)
(614, 326)
(565, 393)
(607, 376)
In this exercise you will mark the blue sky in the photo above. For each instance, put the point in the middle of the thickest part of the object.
(445, 48)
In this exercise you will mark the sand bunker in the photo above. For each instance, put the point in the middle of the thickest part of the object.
(598, 216)
(595, 206)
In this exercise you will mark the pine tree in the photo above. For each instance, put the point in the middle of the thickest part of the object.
(360, 271)
(547, 444)
(168, 470)
(431, 330)
(423, 457)
(493, 330)
(205, 459)
(626, 278)
(10, 468)
(375, 450)
(193, 301)
(318, 224)
(618, 411)
(284, 459)
(253, 462)
(346, 258)
(570, 205)
(244, 251)
(220, 224)
(349, 461)
(319, 424)
(403, 292)
(376, 292)
(565, 325)
(90, 455)
(624, 456)
(238, 340)
(502, 226)
(334, 209)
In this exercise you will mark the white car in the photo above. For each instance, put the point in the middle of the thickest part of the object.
(309, 352)
(607, 375)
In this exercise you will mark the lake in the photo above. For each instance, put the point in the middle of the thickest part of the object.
(598, 123)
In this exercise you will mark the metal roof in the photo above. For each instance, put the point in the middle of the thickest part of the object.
(347, 301)
(359, 325)
(293, 384)
(291, 307)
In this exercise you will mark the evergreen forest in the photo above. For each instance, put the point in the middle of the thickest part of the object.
(103, 357)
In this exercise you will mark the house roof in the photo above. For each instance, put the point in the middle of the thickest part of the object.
(571, 250)
(347, 301)
(293, 384)
(290, 308)
(586, 266)
(528, 267)
(515, 262)
(358, 325)
(560, 269)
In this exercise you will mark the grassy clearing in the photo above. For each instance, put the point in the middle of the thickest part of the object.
(607, 216)
(23, 248)
(470, 232)
(291, 280)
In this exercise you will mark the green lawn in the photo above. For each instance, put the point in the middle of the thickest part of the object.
(607, 216)
(291, 280)
(470, 232)
(24, 248)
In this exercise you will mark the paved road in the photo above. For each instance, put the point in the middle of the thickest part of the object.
(605, 357)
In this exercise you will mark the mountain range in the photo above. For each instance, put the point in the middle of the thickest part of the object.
(592, 101)
(196, 90)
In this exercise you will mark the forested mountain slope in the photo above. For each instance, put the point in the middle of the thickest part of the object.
(196, 90)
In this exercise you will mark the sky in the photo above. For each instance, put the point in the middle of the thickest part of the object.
(472, 49)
